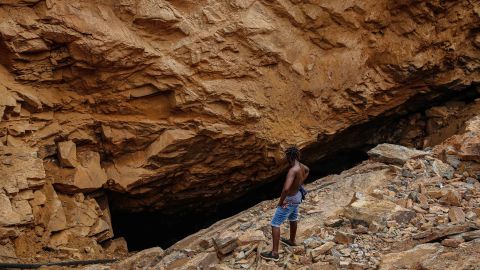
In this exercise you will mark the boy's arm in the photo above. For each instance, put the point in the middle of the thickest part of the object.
(307, 171)
(286, 187)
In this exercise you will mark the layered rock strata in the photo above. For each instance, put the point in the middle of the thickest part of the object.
(403, 209)
(172, 102)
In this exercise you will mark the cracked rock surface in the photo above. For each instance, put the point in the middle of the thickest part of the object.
(372, 216)
(169, 103)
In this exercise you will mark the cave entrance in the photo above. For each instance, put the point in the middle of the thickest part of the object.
(329, 156)
(148, 229)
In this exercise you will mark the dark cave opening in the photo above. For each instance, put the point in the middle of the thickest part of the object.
(329, 156)
(148, 229)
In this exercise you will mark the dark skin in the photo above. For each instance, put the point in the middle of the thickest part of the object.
(296, 175)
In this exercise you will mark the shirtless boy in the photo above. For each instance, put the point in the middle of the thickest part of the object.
(289, 202)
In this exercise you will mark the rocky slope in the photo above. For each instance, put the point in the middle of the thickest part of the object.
(171, 102)
(402, 209)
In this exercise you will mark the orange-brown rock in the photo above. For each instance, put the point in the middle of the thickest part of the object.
(156, 87)
(452, 242)
(413, 242)
(174, 102)
(67, 154)
(410, 258)
(456, 215)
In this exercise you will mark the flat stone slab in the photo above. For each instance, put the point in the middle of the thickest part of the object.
(394, 154)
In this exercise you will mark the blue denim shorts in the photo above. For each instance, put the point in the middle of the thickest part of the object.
(281, 214)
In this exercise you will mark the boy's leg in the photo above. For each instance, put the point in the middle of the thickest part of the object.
(293, 232)
(276, 239)
(279, 217)
(293, 218)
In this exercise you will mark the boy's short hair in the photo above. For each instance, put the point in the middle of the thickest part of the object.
(292, 153)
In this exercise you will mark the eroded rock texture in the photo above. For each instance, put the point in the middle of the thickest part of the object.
(398, 210)
(175, 101)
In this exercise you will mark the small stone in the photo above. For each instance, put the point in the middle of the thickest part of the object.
(422, 189)
(39, 230)
(322, 249)
(358, 266)
(418, 209)
(403, 215)
(377, 193)
(337, 222)
(251, 236)
(443, 169)
(471, 215)
(240, 255)
(77, 256)
(24, 195)
(205, 243)
(409, 203)
(436, 193)
(243, 219)
(437, 209)
(116, 246)
(402, 202)
(422, 199)
(452, 198)
(346, 251)
(244, 226)
(312, 242)
(471, 181)
(407, 173)
(67, 154)
(469, 236)
(344, 238)
(8, 233)
(392, 224)
(413, 196)
(299, 250)
(452, 242)
(375, 227)
(225, 243)
(360, 229)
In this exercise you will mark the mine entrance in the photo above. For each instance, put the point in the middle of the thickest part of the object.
(148, 229)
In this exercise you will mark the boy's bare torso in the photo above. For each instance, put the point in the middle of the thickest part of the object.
(299, 173)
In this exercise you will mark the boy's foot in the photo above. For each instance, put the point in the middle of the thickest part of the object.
(269, 256)
(287, 242)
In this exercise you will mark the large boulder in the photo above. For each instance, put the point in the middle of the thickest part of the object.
(411, 258)
(462, 151)
(366, 209)
(394, 154)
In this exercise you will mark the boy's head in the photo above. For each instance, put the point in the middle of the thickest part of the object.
(292, 153)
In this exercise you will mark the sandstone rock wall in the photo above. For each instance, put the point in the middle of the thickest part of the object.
(402, 209)
(175, 101)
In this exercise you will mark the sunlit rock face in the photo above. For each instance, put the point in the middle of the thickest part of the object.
(174, 102)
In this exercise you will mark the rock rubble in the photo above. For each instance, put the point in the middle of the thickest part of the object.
(373, 216)
(196, 99)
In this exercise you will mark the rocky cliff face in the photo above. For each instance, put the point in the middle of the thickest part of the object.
(402, 209)
(170, 102)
